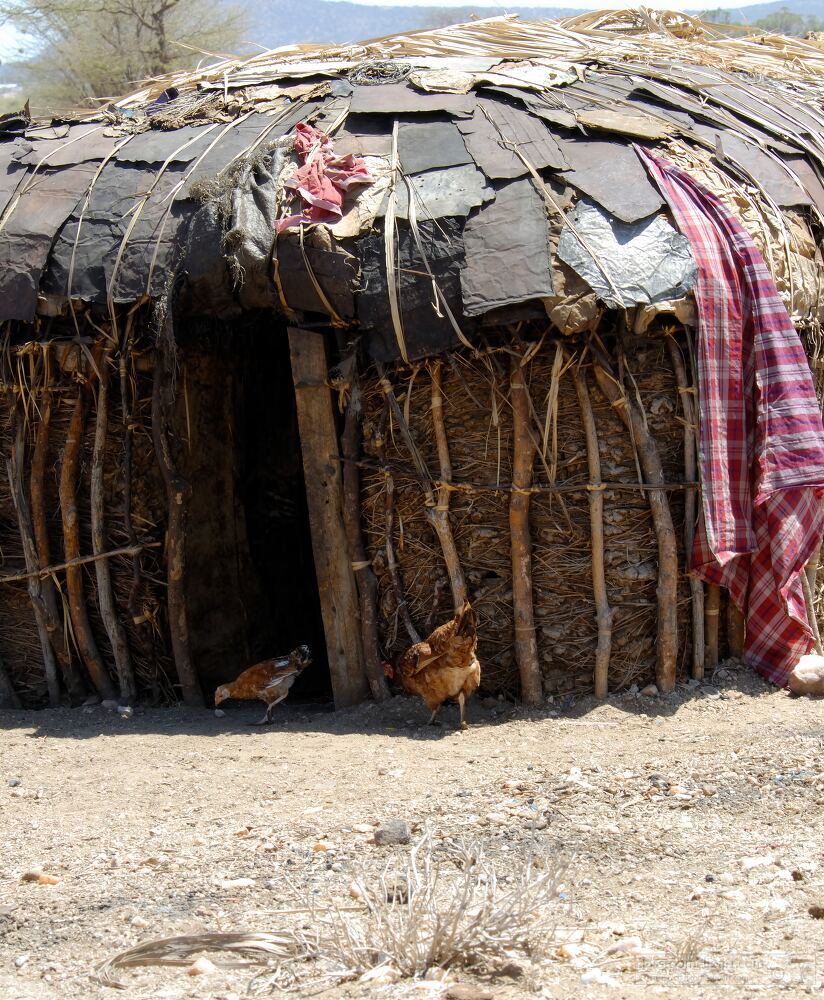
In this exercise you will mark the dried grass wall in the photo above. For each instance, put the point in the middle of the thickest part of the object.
(478, 420)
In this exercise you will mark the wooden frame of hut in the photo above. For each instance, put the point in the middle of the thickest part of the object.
(225, 433)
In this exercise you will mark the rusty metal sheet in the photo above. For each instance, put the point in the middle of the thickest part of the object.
(45, 202)
(430, 146)
(506, 244)
(485, 140)
(399, 99)
(611, 174)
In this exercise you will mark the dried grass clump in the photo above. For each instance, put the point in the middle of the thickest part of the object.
(444, 905)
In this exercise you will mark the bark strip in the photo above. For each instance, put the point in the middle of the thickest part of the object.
(14, 470)
(364, 576)
(688, 406)
(603, 612)
(71, 546)
(523, 458)
(736, 629)
(105, 594)
(178, 492)
(667, 592)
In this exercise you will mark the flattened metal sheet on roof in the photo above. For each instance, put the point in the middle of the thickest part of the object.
(180, 145)
(427, 329)
(401, 99)
(96, 241)
(66, 145)
(611, 174)
(45, 202)
(507, 250)
(634, 124)
(485, 141)
(453, 191)
(776, 181)
(645, 262)
(430, 146)
(809, 178)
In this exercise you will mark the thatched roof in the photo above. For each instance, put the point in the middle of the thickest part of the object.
(512, 141)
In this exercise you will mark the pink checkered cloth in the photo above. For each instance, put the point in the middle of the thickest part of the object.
(761, 451)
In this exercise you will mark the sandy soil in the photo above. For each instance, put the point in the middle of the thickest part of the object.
(692, 822)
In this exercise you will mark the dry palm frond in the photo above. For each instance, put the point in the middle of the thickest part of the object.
(178, 951)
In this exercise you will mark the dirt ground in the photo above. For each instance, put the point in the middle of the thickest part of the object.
(692, 822)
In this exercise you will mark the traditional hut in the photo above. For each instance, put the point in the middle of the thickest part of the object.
(312, 345)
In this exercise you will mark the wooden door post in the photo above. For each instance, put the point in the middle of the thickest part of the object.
(324, 497)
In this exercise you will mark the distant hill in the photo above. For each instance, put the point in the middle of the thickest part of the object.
(284, 22)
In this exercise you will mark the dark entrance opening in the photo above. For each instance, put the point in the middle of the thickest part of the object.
(252, 591)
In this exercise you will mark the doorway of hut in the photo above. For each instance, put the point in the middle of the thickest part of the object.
(251, 587)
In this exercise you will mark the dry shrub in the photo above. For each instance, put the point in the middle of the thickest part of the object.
(442, 906)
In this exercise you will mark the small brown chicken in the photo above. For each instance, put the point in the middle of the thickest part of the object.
(268, 681)
(444, 666)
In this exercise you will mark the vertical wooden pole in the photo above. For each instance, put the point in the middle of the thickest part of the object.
(603, 612)
(667, 592)
(736, 629)
(14, 469)
(324, 496)
(523, 458)
(364, 577)
(712, 610)
(71, 550)
(72, 676)
(439, 514)
(105, 594)
(178, 492)
(690, 502)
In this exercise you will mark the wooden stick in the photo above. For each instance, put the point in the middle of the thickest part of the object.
(438, 515)
(379, 443)
(690, 465)
(72, 676)
(523, 458)
(667, 592)
(46, 571)
(811, 572)
(178, 492)
(133, 600)
(105, 594)
(712, 611)
(8, 696)
(14, 470)
(736, 629)
(71, 545)
(364, 577)
(324, 498)
(603, 612)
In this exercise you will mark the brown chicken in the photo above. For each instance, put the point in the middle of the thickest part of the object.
(444, 666)
(268, 681)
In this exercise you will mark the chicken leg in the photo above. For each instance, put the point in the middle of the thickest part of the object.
(461, 705)
(267, 719)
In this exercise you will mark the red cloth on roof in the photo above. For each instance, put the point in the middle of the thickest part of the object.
(761, 452)
(322, 178)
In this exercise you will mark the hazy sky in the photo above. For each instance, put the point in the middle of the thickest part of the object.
(592, 5)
